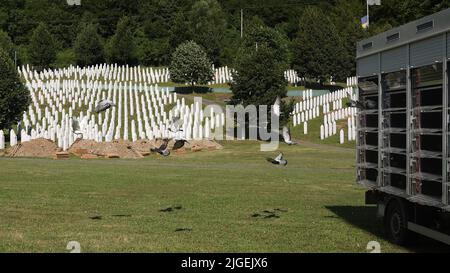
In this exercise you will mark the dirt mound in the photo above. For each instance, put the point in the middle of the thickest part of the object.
(35, 148)
(120, 148)
(91, 149)
(144, 146)
(83, 146)
(198, 145)
(114, 149)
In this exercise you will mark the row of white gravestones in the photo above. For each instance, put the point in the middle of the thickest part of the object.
(91, 105)
(339, 114)
(351, 127)
(352, 81)
(327, 130)
(2, 140)
(301, 116)
(98, 137)
(330, 121)
(225, 75)
(305, 116)
(222, 75)
(292, 76)
(335, 98)
(12, 138)
(124, 73)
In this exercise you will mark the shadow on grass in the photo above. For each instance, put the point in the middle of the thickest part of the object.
(195, 89)
(364, 217)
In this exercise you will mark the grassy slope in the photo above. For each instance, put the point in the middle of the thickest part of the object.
(47, 203)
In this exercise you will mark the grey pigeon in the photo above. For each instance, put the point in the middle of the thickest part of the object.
(279, 160)
(103, 105)
(75, 125)
(163, 149)
(367, 105)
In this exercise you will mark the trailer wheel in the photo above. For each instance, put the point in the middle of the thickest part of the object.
(395, 223)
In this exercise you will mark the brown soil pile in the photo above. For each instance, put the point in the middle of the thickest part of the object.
(83, 146)
(121, 148)
(144, 146)
(91, 149)
(198, 145)
(35, 148)
(114, 149)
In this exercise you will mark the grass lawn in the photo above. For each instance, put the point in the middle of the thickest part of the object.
(46, 203)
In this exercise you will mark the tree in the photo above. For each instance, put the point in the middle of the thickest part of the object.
(259, 77)
(121, 48)
(42, 49)
(318, 51)
(208, 24)
(350, 31)
(258, 35)
(6, 44)
(88, 46)
(190, 64)
(14, 97)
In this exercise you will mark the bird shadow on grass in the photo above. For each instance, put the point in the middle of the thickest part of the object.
(183, 230)
(171, 209)
(267, 214)
(364, 217)
(122, 215)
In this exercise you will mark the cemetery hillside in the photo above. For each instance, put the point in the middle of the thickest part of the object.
(206, 126)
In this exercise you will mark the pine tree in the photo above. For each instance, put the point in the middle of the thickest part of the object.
(42, 49)
(88, 46)
(318, 51)
(6, 44)
(14, 97)
(259, 77)
(121, 48)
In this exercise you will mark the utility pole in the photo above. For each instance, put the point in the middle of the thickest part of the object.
(242, 23)
(368, 18)
(371, 3)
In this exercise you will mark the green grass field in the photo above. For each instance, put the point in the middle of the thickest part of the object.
(46, 203)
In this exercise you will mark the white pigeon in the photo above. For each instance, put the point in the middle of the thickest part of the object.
(76, 127)
(175, 124)
(163, 149)
(287, 136)
(277, 106)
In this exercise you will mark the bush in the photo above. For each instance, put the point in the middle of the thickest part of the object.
(190, 64)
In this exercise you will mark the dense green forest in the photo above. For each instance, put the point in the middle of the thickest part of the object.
(147, 32)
